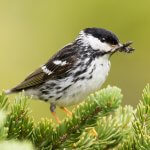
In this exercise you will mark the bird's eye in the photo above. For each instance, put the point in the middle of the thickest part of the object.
(103, 39)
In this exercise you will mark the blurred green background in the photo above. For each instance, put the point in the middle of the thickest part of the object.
(31, 31)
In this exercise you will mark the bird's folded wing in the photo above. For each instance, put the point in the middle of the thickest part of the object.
(56, 68)
(33, 79)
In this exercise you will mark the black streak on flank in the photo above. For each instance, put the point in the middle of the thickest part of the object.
(52, 84)
(90, 77)
(50, 97)
(82, 78)
(77, 79)
(45, 92)
(58, 98)
(80, 72)
(47, 86)
(92, 69)
(64, 89)
(58, 87)
(89, 62)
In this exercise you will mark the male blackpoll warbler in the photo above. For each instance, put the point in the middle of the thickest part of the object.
(75, 71)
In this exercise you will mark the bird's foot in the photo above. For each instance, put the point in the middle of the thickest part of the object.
(69, 113)
(56, 117)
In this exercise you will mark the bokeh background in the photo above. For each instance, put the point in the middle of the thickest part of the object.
(31, 31)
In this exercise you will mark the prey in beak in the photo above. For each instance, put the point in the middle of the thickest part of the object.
(123, 48)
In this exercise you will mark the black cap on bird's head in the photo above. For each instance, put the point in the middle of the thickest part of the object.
(103, 35)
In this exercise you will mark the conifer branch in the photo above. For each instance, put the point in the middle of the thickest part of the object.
(19, 124)
(86, 114)
(140, 138)
(98, 123)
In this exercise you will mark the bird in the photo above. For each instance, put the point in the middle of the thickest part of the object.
(75, 71)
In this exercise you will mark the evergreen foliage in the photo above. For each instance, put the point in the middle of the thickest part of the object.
(99, 123)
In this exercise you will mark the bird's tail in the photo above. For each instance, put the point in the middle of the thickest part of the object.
(7, 92)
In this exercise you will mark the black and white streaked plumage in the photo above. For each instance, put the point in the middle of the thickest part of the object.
(75, 71)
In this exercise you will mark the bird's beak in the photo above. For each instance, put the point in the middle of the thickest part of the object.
(115, 48)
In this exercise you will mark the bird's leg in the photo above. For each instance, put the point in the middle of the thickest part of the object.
(69, 113)
(52, 109)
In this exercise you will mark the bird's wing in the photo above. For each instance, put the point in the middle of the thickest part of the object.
(56, 68)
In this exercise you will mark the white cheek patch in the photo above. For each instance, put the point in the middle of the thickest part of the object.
(95, 43)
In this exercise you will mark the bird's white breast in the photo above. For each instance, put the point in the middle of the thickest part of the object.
(82, 88)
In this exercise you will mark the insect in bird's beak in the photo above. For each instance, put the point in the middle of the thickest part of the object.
(122, 47)
(126, 47)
